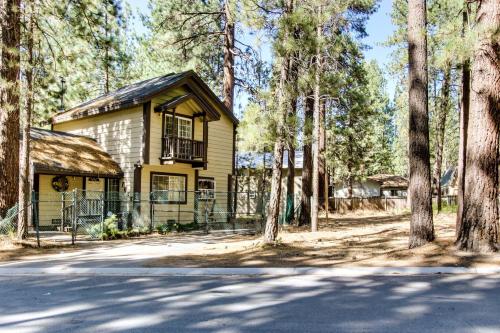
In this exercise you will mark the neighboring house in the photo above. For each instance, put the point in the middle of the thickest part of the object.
(251, 168)
(167, 133)
(449, 182)
(374, 186)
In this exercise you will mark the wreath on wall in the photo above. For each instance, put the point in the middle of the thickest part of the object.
(60, 183)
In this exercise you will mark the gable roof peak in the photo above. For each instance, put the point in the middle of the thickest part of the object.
(138, 93)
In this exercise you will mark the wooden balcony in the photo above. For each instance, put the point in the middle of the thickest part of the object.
(183, 150)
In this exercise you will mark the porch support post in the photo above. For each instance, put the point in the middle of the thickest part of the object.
(174, 135)
(163, 135)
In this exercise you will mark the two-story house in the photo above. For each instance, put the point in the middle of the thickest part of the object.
(169, 133)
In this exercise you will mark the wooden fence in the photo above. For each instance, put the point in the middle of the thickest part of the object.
(343, 205)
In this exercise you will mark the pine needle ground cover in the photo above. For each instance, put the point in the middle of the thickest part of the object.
(358, 239)
(377, 240)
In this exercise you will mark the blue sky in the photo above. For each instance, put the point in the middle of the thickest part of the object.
(379, 28)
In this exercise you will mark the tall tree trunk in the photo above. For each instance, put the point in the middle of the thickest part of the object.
(444, 106)
(10, 20)
(464, 123)
(106, 53)
(228, 84)
(305, 198)
(479, 227)
(291, 131)
(421, 225)
(290, 181)
(316, 130)
(271, 230)
(24, 161)
(349, 190)
(321, 155)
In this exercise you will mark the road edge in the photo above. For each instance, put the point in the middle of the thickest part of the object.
(243, 271)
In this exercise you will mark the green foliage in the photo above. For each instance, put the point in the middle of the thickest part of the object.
(108, 229)
(166, 228)
(83, 42)
(179, 39)
(447, 46)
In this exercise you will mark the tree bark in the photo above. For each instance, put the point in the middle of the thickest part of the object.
(271, 230)
(290, 182)
(291, 131)
(10, 21)
(228, 83)
(305, 198)
(24, 160)
(321, 155)
(316, 131)
(479, 227)
(444, 106)
(464, 122)
(421, 225)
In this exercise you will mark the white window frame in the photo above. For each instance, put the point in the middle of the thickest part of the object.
(180, 118)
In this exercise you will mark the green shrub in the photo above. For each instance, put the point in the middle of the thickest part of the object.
(168, 227)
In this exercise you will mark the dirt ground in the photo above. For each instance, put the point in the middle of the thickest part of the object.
(368, 239)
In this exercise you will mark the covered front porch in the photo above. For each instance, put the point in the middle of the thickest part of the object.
(64, 164)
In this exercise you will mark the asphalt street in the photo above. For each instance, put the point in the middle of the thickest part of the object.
(309, 303)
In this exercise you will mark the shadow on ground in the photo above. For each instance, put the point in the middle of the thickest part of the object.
(245, 304)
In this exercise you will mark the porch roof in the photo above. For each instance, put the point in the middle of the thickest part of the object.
(64, 153)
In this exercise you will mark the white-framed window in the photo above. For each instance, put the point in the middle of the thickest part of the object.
(184, 126)
(169, 188)
(206, 186)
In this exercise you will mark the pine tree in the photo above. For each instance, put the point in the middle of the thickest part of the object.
(28, 64)
(479, 226)
(421, 225)
(283, 53)
(443, 111)
(10, 21)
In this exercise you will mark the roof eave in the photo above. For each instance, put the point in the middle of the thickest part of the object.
(41, 169)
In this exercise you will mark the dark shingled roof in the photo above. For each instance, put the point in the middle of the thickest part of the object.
(390, 181)
(63, 153)
(136, 94)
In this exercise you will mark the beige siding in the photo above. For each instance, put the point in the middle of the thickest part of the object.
(119, 133)
(94, 185)
(50, 201)
(220, 153)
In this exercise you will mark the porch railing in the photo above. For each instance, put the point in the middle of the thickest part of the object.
(180, 148)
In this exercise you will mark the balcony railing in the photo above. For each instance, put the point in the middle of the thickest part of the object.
(184, 149)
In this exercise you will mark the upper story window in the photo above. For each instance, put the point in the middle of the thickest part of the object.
(183, 126)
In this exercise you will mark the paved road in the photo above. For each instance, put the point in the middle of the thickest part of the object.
(438, 303)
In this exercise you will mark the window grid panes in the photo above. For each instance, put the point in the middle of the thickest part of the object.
(184, 127)
(169, 188)
(206, 187)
